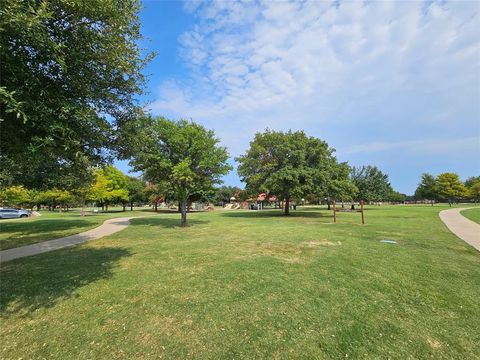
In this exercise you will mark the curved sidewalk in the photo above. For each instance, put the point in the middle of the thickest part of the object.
(464, 228)
(109, 227)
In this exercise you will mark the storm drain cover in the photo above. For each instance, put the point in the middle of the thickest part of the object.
(388, 241)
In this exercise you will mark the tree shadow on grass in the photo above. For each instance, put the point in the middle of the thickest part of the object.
(39, 230)
(162, 222)
(276, 213)
(43, 280)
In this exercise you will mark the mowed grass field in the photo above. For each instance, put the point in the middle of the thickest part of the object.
(245, 284)
(472, 214)
(55, 224)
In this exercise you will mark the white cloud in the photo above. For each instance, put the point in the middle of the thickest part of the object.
(427, 146)
(354, 72)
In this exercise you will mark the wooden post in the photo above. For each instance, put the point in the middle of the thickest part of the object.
(361, 207)
(334, 212)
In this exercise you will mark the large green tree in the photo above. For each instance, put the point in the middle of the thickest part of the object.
(289, 165)
(70, 71)
(182, 154)
(450, 187)
(372, 184)
(427, 189)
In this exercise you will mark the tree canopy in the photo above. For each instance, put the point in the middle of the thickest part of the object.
(287, 164)
(340, 186)
(14, 196)
(372, 184)
(70, 71)
(224, 193)
(473, 186)
(136, 191)
(110, 186)
(428, 188)
(450, 187)
(182, 154)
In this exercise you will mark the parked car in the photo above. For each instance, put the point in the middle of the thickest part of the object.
(10, 213)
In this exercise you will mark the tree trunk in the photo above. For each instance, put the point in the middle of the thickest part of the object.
(183, 206)
(287, 206)
(124, 206)
(328, 204)
(131, 206)
(83, 206)
(156, 206)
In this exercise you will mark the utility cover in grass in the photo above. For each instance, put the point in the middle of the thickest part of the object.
(388, 241)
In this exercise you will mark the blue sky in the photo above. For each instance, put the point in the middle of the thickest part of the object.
(396, 85)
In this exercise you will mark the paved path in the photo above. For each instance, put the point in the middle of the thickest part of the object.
(465, 229)
(110, 226)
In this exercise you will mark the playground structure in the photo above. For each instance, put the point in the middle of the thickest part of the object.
(232, 206)
(352, 209)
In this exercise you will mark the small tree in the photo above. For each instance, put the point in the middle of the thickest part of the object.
(450, 187)
(100, 189)
(342, 190)
(14, 196)
(395, 196)
(136, 191)
(372, 184)
(224, 193)
(110, 187)
(54, 197)
(183, 155)
(473, 186)
(339, 186)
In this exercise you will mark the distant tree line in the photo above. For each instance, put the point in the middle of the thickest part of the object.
(109, 187)
(447, 187)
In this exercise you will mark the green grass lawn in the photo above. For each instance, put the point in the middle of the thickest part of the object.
(472, 214)
(51, 225)
(249, 285)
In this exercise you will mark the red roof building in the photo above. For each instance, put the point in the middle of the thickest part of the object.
(261, 197)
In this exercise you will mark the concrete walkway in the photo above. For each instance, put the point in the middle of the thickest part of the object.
(465, 229)
(109, 227)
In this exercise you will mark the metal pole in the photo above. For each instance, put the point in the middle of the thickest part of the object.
(361, 207)
(334, 213)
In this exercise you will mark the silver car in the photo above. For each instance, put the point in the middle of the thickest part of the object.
(10, 213)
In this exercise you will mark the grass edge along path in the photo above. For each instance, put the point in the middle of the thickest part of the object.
(472, 214)
(108, 227)
(16, 233)
(462, 227)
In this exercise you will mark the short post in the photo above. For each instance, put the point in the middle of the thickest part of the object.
(334, 212)
(361, 207)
